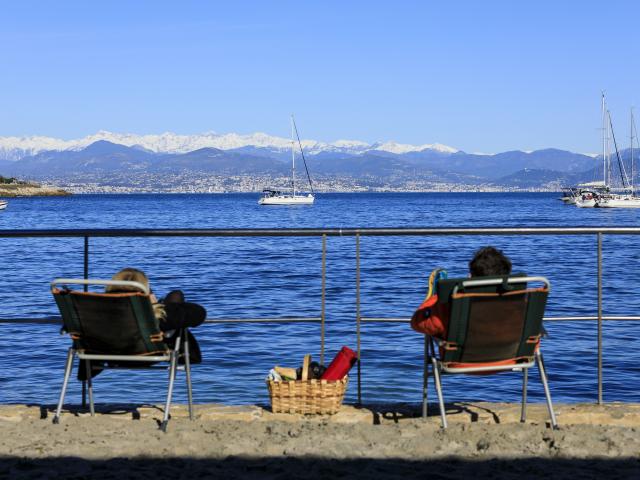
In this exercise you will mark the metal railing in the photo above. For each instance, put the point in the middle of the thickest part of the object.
(598, 232)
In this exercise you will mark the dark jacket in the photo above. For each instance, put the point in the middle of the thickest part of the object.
(181, 314)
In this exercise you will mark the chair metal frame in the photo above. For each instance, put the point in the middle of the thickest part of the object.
(439, 368)
(172, 356)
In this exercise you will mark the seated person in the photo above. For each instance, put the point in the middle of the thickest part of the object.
(432, 317)
(172, 314)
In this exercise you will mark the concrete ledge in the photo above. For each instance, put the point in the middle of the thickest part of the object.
(372, 442)
(610, 414)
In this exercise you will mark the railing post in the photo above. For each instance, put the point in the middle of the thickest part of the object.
(425, 378)
(358, 316)
(86, 261)
(599, 318)
(322, 306)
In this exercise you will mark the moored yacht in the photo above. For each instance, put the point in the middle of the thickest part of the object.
(629, 199)
(618, 201)
(587, 194)
(277, 197)
(569, 194)
(599, 194)
(3, 204)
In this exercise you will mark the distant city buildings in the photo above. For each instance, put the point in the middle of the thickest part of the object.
(193, 182)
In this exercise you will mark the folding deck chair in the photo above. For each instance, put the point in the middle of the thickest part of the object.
(495, 325)
(116, 330)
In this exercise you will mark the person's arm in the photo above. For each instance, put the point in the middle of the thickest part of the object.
(181, 314)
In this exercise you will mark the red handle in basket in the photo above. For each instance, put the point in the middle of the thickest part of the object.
(340, 365)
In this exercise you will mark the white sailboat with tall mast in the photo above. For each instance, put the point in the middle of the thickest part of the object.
(590, 192)
(601, 195)
(277, 197)
(628, 199)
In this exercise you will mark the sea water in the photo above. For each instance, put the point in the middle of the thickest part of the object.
(281, 277)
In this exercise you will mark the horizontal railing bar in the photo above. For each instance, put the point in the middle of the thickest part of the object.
(43, 320)
(385, 319)
(571, 319)
(58, 320)
(546, 319)
(264, 320)
(313, 232)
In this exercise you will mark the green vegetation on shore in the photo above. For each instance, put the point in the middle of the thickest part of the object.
(12, 187)
(12, 181)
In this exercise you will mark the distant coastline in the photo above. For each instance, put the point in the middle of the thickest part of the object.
(105, 166)
(109, 190)
(11, 187)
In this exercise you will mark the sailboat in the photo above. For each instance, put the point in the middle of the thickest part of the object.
(588, 193)
(593, 191)
(600, 195)
(625, 200)
(277, 197)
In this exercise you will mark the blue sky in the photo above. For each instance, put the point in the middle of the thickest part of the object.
(483, 76)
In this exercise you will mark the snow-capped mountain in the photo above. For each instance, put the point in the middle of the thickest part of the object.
(15, 148)
(400, 149)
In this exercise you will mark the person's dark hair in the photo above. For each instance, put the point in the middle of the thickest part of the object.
(489, 261)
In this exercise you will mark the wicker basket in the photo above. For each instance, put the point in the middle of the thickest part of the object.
(307, 396)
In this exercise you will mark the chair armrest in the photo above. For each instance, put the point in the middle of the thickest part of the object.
(114, 283)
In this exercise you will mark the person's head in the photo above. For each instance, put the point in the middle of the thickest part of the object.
(135, 275)
(128, 275)
(489, 261)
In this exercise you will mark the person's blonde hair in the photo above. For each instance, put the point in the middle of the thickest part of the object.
(134, 275)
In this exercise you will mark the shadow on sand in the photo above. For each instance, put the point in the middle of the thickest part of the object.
(315, 468)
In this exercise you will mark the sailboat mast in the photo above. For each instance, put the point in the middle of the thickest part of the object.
(293, 159)
(623, 170)
(302, 155)
(604, 141)
(632, 172)
(608, 150)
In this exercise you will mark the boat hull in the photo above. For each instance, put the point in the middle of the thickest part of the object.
(585, 203)
(623, 202)
(287, 200)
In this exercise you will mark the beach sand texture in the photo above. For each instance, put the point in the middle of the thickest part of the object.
(484, 440)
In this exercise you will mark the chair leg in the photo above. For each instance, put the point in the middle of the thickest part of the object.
(425, 378)
(67, 373)
(547, 392)
(88, 367)
(172, 377)
(187, 371)
(436, 377)
(525, 378)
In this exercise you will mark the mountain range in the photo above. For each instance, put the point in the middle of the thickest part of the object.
(259, 154)
(14, 148)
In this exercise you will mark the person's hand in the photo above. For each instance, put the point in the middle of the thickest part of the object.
(153, 298)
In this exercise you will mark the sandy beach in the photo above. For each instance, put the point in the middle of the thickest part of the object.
(484, 440)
